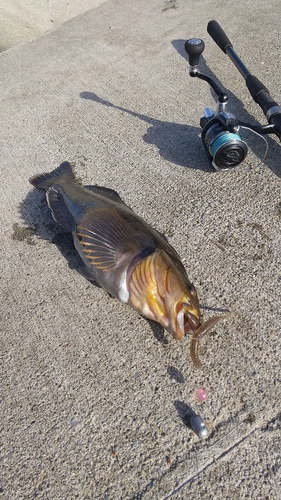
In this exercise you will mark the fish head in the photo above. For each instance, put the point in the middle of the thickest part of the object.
(159, 291)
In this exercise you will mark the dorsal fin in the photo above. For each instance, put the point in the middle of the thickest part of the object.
(106, 192)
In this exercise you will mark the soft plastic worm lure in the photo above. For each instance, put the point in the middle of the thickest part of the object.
(199, 334)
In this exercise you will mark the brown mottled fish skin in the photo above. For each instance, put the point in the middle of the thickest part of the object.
(121, 252)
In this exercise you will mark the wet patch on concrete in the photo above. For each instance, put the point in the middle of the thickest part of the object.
(22, 233)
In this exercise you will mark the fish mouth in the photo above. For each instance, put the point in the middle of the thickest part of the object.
(159, 292)
(185, 320)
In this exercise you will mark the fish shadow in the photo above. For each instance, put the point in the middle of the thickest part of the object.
(158, 332)
(36, 214)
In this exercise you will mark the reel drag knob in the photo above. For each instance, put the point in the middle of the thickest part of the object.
(194, 48)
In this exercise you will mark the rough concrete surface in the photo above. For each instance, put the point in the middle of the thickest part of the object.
(95, 398)
(21, 20)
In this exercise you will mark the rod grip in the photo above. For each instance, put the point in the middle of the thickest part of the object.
(260, 94)
(218, 35)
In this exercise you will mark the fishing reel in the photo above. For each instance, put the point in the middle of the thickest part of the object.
(221, 130)
(222, 139)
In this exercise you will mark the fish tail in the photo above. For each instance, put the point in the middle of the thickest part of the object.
(44, 181)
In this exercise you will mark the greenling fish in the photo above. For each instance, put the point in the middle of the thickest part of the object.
(124, 255)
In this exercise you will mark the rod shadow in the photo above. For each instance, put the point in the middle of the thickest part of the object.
(178, 143)
(181, 143)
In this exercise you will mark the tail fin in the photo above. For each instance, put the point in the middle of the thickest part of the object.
(44, 181)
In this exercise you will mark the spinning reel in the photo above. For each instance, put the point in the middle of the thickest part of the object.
(221, 130)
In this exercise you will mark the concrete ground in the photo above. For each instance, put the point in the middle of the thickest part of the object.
(21, 20)
(95, 398)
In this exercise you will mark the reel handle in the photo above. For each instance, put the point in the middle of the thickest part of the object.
(194, 48)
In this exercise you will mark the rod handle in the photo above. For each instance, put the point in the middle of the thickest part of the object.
(219, 36)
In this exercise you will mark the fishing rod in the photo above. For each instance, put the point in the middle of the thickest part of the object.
(221, 130)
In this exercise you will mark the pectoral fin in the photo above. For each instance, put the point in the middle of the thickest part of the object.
(106, 239)
(59, 210)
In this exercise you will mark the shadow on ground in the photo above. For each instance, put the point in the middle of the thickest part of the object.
(170, 138)
(178, 143)
(36, 215)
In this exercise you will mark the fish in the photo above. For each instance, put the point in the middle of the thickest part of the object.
(124, 255)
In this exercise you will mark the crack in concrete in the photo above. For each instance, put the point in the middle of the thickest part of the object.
(222, 455)
(262, 428)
